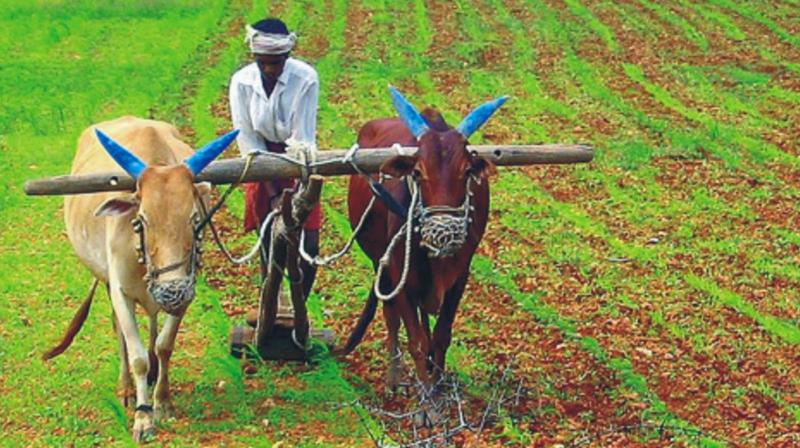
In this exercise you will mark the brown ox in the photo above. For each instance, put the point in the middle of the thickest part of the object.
(143, 246)
(445, 173)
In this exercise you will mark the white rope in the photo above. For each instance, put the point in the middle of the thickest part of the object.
(254, 250)
(296, 342)
(311, 159)
(324, 261)
(308, 156)
(385, 259)
(348, 156)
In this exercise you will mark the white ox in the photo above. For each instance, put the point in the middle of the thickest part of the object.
(144, 246)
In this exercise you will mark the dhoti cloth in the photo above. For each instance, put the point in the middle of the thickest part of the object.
(259, 197)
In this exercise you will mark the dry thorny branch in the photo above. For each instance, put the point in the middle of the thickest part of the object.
(663, 431)
(453, 412)
(435, 416)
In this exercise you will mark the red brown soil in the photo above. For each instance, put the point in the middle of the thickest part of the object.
(440, 52)
(659, 357)
(560, 375)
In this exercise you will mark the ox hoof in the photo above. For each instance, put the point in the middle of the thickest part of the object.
(394, 378)
(395, 373)
(144, 429)
(165, 410)
(430, 412)
(428, 417)
(144, 435)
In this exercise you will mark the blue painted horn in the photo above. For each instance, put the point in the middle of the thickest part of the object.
(134, 165)
(412, 119)
(205, 155)
(479, 116)
(124, 158)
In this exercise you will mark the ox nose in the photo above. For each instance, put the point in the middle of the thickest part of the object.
(173, 296)
(443, 234)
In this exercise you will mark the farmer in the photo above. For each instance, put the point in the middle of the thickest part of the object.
(273, 103)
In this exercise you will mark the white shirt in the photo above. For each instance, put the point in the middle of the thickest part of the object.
(288, 115)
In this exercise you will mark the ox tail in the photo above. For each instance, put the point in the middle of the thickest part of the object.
(367, 314)
(74, 327)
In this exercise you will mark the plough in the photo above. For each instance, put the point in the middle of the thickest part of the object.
(281, 326)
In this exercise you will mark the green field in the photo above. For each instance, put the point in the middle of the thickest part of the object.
(655, 287)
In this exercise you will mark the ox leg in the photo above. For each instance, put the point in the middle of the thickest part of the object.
(426, 327)
(442, 334)
(152, 373)
(164, 346)
(417, 338)
(394, 374)
(418, 347)
(125, 387)
(143, 426)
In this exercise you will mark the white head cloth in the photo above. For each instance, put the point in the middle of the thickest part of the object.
(269, 43)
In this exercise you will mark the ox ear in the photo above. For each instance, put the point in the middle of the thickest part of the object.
(482, 167)
(124, 158)
(412, 119)
(205, 155)
(117, 206)
(399, 166)
(479, 116)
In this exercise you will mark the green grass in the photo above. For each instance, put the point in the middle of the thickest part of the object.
(784, 330)
(329, 68)
(678, 22)
(551, 316)
(598, 91)
(760, 151)
(720, 19)
(537, 103)
(80, 63)
(747, 11)
(65, 75)
(594, 24)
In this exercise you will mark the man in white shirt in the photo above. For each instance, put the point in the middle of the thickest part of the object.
(273, 103)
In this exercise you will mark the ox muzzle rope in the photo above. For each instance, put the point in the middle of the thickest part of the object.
(444, 229)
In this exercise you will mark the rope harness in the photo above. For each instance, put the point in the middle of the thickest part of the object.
(443, 229)
(175, 295)
(378, 191)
